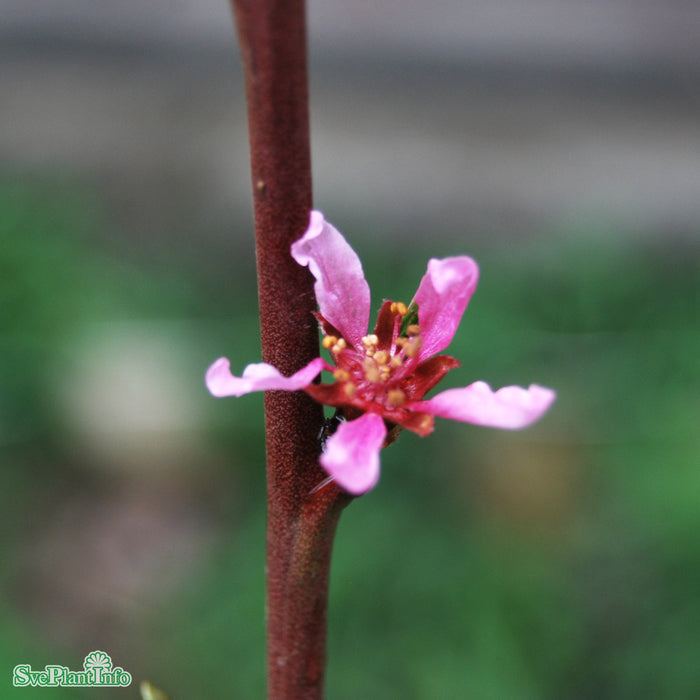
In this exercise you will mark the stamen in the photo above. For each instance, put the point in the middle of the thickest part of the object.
(381, 357)
(396, 398)
(371, 370)
(350, 389)
(342, 375)
(328, 341)
(396, 361)
(413, 329)
(339, 346)
(370, 341)
(412, 346)
(398, 307)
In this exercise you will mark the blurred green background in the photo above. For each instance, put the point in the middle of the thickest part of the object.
(558, 562)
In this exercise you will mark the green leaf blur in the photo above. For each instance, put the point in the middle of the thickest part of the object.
(558, 562)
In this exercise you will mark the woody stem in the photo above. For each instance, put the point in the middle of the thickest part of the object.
(300, 527)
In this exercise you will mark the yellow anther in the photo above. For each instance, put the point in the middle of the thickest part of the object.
(381, 357)
(413, 329)
(342, 375)
(413, 347)
(370, 341)
(396, 398)
(384, 372)
(400, 342)
(328, 341)
(350, 389)
(339, 345)
(396, 361)
(398, 307)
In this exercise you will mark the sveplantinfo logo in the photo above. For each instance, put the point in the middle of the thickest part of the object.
(97, 671)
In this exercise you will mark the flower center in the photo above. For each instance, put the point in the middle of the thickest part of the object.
(374, 372)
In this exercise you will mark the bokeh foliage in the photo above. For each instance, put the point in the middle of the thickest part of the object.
(560, 562)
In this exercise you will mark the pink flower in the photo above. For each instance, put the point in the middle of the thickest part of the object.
(381, 378)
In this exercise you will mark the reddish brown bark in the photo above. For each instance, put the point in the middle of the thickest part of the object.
(301, 526)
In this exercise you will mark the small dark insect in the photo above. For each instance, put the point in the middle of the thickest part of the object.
(330, 425)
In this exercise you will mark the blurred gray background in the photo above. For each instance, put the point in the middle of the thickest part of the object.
(498, 117)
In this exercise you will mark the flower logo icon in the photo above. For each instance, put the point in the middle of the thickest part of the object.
(97, 660)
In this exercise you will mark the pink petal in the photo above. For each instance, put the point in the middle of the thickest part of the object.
(352, 453)
(442, 296)
(258, 377)
(341, 290)
(511, 407)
